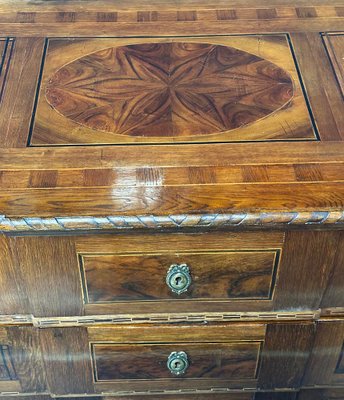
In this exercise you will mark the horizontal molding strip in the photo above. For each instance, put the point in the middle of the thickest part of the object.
(171, 222)
(91, 320)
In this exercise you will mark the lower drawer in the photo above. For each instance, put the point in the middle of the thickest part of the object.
(157, 359)
(228, 361)
(180, 359)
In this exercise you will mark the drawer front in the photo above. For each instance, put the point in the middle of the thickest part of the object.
(188, 361)
(176, 359)
(133, 277)
(212, 275)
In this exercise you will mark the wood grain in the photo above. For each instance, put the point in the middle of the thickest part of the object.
(335, 47)
(327, 353)
(33, 277)
(28, 359)
(6, 46)
(75, 5)
(187, 333)
(169, 176)
(67, 360)
(167, 91)
(220, 361)
(7, 371)
(15, 111)
(333, 297)
(164, 201)
(111, 278)
(306, 251)
(324, 94)
(139, 156)
(285, 354)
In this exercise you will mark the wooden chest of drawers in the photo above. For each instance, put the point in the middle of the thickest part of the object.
(172, 200)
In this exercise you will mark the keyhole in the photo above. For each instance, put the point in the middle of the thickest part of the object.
(178, 280)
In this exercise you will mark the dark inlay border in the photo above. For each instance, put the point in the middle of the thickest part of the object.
(7, 370)
(340, 365)
(7, 46)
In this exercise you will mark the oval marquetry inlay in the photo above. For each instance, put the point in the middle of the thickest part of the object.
(168, 89)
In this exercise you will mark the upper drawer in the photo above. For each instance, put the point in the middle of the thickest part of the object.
(245, 274)
(145, 277)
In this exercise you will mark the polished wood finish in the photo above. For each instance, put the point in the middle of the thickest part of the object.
(232, 275)
(167, 91)
(21, 363)
(333, 296)
(21, 78)
(155, 123)
(124, 275)
(67, 360)
(220, 361)
(327, 353)
(133, 359)
(6, 46)
(335, 47)
(323, 91)
(31, 275)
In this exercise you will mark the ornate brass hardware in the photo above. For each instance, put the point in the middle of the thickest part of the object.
(178, 278)
(177, 362)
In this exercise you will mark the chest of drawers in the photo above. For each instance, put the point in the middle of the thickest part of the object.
(172, 200)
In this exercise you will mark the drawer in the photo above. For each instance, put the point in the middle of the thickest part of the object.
(137, 277)
(175, 359)
(204, 275)
(235, 360)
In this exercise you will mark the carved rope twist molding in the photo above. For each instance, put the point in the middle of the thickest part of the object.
(177, 222)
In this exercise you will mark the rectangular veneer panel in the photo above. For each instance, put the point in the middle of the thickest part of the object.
(335, 46)
(169, 90)
(6, 46)
(213, 275)
(147, 361)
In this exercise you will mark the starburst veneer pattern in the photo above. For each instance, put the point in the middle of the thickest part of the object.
(170, 90)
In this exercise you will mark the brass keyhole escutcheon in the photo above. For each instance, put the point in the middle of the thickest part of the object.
(178, 362)
(178, 278)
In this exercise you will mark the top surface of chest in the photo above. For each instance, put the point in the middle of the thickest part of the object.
(171, 110)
